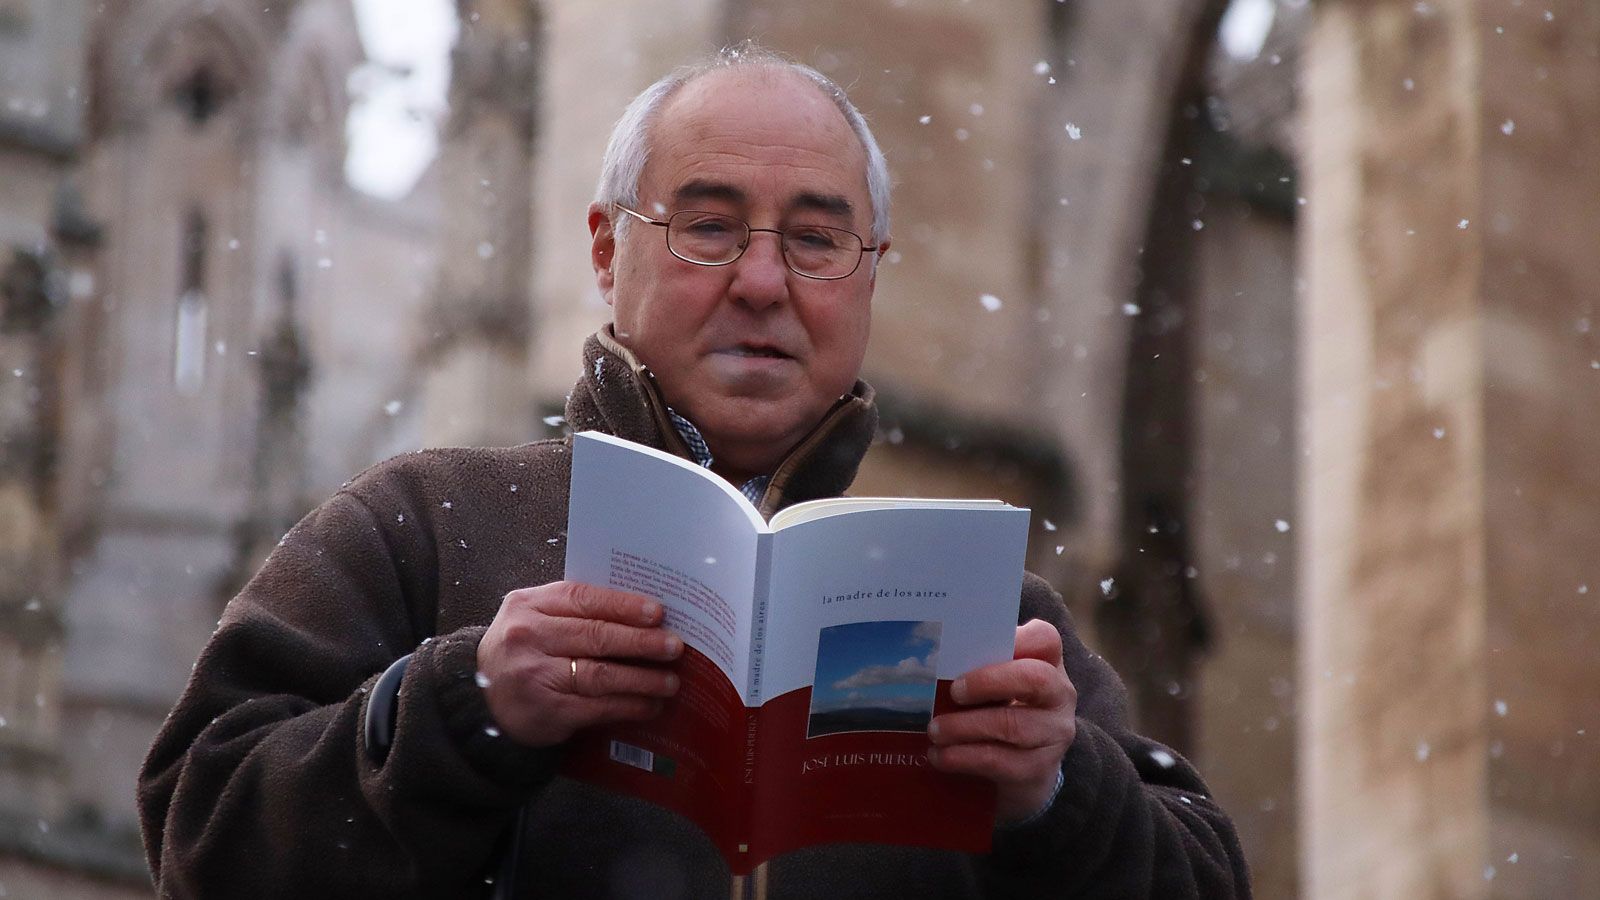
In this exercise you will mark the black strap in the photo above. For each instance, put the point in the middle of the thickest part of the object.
(383, 708)
(505, 882)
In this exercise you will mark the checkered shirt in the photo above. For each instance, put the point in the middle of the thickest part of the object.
(752, 489)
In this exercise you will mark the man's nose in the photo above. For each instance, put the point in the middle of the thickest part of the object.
(761, 277)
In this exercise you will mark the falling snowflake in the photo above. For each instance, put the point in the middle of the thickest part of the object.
(1281, 525)
(1163, 759)
(1073, 131)
(393, 407)
(1507, 127)
(1107, 585)
(990, 302)
(555, 421)
(925, 120)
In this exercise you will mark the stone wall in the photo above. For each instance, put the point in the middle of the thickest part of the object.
(1449, 497)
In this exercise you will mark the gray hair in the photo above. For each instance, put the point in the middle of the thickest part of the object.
(629, 146)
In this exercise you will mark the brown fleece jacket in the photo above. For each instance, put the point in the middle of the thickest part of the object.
(259, 784)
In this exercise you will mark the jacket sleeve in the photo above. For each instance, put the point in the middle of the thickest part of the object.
(259, 783)
(1133, 819)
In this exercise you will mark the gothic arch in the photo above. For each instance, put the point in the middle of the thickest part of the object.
(141, 52)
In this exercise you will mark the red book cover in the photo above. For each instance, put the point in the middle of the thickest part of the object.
(817, 648)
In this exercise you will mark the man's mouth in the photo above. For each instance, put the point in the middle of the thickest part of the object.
(756, 351)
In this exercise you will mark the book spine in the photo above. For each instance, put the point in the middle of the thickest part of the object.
(758, 618)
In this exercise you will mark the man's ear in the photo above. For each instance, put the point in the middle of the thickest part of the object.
(602, 249)
(877, 259)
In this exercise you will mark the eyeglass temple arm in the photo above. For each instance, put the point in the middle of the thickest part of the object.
(640, 216)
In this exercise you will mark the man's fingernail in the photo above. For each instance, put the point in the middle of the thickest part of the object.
(933, 729)
(958, 691)
(674, 646)
(672, 682)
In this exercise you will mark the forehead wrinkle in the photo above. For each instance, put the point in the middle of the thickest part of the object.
(724, 128)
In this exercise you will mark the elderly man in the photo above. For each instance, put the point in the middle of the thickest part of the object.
(736, 235)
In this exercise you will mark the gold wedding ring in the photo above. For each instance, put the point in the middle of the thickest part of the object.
(574, 661)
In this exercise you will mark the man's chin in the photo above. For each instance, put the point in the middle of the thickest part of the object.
(757, 426)
(754, 376)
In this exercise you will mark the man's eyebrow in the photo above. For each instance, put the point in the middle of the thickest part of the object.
(705, 189)
(701, 189)
(833, 204)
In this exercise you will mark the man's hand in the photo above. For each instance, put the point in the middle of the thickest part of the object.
(564, 656)
(1020, 721)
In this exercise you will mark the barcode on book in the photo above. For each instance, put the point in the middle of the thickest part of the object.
(629, 755)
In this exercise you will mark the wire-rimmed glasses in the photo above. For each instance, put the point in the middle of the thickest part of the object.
(713, 239)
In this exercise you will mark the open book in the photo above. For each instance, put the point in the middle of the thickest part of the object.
(817, 648)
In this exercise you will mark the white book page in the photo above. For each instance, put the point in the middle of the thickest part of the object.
(648, 522)
(811, 510)
(954, 574)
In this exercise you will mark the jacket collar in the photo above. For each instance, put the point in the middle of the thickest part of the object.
(617, 394)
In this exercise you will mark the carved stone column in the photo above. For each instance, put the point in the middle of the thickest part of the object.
(1451, 726)
(480, 324)
(30, 614)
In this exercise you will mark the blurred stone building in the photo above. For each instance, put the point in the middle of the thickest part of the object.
(1297, 395)
(204, 330)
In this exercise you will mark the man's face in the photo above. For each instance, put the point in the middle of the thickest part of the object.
(751, 352)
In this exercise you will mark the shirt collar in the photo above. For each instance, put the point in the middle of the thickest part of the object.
(696, 442)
